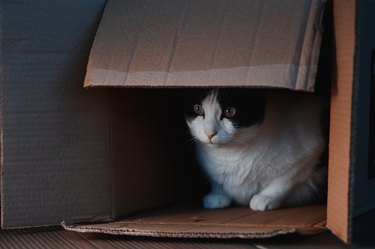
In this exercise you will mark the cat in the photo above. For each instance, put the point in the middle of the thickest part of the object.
(258, 148)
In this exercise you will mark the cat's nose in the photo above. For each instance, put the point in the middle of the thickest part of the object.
(210, 135)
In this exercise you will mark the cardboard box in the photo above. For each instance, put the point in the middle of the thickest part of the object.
(94, 155)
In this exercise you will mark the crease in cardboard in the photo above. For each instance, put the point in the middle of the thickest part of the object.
(220, 37)
(100, 218)
(210, 41)
(183, 20)
(134, 49)
(253, 42)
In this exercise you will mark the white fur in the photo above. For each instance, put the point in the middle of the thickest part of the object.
(266, 165)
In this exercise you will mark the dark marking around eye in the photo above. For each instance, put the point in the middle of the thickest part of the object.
(193, 97)
(229, 112)
(249, 106)
(198, 109)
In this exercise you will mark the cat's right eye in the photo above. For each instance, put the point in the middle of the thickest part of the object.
(198, 109)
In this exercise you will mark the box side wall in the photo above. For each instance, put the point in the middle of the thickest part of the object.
(341, 109)
(146, 125)
(364, 186)
(56, 157)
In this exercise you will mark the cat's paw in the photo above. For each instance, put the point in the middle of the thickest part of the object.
(263, 202)
(212, 201)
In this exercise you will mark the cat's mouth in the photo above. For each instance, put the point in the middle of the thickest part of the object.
(215, 143)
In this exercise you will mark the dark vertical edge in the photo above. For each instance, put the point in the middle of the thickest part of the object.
(1, 113)
(362, 164)
(353, 125)
(112, 175)
(371, 149)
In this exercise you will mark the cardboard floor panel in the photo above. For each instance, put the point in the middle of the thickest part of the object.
(237, 222)
(55, 237)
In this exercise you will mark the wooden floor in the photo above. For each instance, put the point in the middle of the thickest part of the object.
(56, 237)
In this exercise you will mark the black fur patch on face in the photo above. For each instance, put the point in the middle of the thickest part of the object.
(193, 97)
(250, 105)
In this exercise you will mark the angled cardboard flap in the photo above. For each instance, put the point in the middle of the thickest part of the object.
(54, 135)
(263, 43)
(238, 222)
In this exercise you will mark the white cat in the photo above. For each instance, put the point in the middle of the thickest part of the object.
(257, 148)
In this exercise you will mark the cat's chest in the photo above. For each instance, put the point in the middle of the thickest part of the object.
(231, 166)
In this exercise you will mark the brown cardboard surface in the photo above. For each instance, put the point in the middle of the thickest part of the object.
(220, 223)
(338, 213)
(55, 237)
(143, 160)
(207, 43)
(55, 141)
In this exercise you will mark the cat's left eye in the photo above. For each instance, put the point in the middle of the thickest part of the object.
(229, 112)
(198, 109)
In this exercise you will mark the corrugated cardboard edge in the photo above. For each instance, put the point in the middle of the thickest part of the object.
(192, 234)
(339, 175)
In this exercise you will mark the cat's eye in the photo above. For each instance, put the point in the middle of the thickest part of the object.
(229, 112)
(198, 109)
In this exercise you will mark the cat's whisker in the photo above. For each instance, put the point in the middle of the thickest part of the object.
(191, 141)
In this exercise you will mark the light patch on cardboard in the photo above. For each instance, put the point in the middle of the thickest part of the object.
(170, 43)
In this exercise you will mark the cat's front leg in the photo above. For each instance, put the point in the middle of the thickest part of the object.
(272, 196)
(216, 198)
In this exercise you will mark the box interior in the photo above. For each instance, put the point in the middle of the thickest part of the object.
(154, 168)
(151, 153)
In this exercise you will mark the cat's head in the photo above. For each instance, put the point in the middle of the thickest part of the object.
(221, 116)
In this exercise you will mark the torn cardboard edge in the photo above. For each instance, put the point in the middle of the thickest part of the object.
(220, 223)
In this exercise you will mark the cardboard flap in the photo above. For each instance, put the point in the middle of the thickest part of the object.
(238, 222)
(262, 43)
(54, 135)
